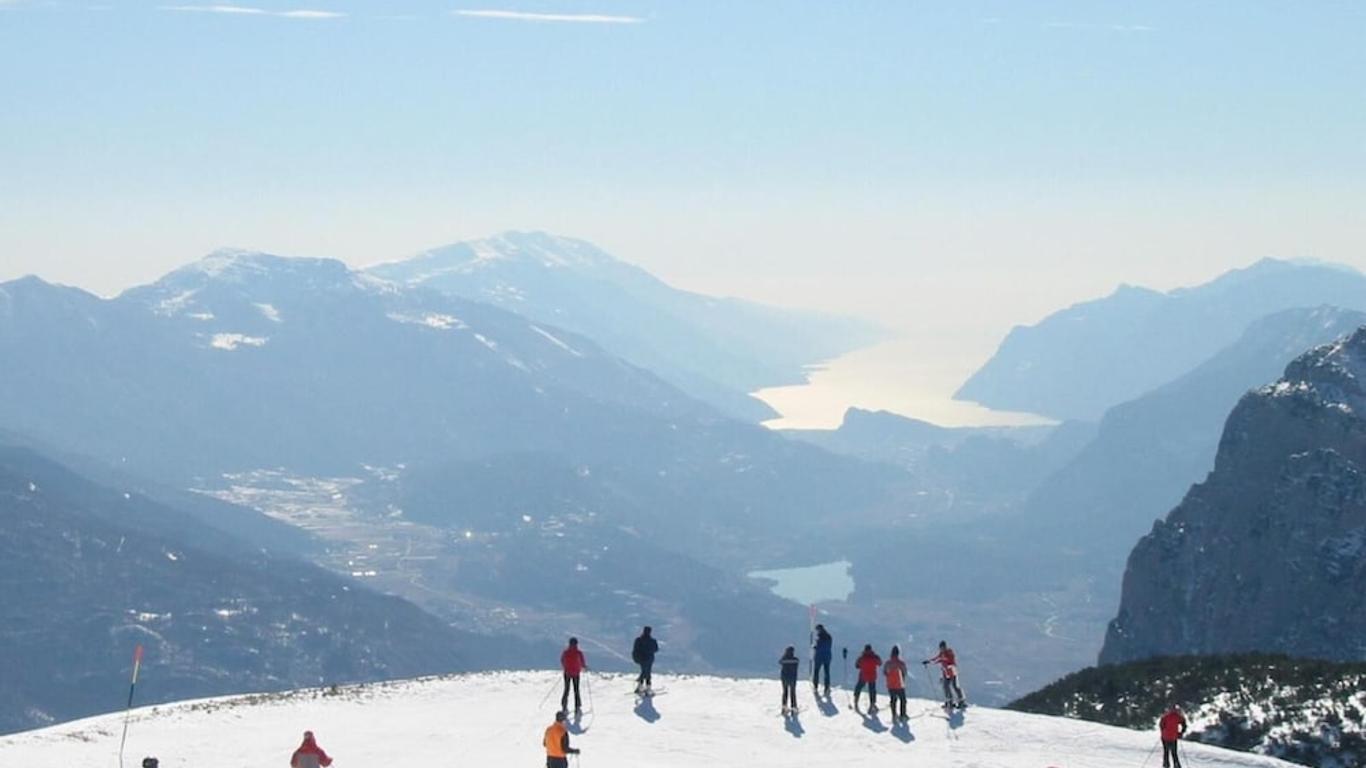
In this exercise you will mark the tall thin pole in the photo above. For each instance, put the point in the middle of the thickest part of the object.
(128, 711)
(811, 645)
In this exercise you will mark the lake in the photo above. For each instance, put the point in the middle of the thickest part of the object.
(811, 584)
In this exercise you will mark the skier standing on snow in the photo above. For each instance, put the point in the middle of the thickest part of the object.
(556, 743)
(309, 754)
(790, 666)
(573, 664)
(824, 650)
(948, 664)
(868, 665)
(1173, 727)
(643, 653)
(895, 672)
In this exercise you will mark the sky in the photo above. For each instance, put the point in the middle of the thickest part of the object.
(949, 169)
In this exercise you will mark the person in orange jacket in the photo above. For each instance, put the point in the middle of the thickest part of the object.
(309, 754)
(895, 672)
(1172, 727)
(573, 663)
(556, 743)
(868, 664)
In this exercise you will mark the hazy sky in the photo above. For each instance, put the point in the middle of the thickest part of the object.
(951, 168)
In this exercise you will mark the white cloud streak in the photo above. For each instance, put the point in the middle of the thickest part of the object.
(573, 18)
(242, 10)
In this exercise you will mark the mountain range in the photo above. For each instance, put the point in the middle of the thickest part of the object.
(1080, 361)
(717, 349)
(508, 475)
(1147, 452)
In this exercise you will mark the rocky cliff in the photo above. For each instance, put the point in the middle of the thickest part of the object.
(1269, 553)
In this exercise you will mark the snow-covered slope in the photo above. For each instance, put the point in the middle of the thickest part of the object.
(494, 720)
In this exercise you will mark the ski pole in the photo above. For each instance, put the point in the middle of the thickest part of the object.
(546, 696)
(1150, 755)
(589, 680)
(128, 711)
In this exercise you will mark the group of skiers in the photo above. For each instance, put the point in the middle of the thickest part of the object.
(869, 665)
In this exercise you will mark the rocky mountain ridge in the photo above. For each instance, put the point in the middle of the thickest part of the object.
(1269, 553)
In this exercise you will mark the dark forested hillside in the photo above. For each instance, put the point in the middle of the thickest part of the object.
(1308, 711)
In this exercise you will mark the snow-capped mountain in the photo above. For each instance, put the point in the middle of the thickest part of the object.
(1267, 553)
(247, 360)
(715, 349)
(493, 720)
(1079, 361)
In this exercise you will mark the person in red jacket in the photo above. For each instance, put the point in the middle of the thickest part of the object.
(948, 664)
(309, 754)
(1172, 727)
(868, 664)
(573, 664)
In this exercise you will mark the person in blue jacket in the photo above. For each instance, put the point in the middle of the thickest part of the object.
(824, 650)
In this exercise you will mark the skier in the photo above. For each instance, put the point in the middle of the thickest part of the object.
(895, 672)
(868, 664)
(309, 754)
(643, 653)
(573, 664)
(790, 666)
(556, 743)
(949, 669)
(1173, 727)
(824, 648)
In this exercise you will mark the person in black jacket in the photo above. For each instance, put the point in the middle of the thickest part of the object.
(790, 666)
(643, 653)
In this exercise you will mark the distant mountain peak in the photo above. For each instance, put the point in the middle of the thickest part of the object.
(241, 265)
(530, 248)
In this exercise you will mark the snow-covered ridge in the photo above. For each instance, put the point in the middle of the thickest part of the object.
(533, 248)
(494, 719)
(1334, 375)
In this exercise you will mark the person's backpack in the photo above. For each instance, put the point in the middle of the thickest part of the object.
(149, 762)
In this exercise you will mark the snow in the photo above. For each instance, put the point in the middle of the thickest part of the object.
(556, 341)
(493, 719)
(172, 305)
(231, 341)
(270, 312)
(440, 322)
(230, 264)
